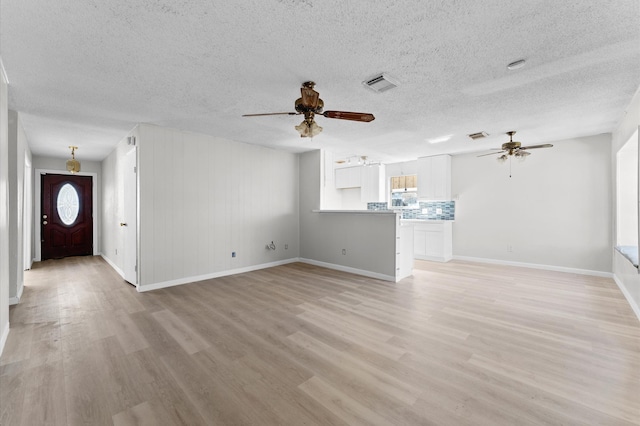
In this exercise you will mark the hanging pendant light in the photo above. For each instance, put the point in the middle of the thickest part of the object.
(73, 165)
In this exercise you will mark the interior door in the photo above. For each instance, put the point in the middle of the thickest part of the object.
(129, 226)
(67, 218)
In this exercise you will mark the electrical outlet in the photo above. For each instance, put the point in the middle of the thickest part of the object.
(233, 254)
(344, 251)
(116, 251)
(286, 246)
(509, 248)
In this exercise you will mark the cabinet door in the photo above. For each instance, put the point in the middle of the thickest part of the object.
(434, 177)
(372, 189)
(425, 187)
(342, 178)
(434, 244)
(355, 177)
(419, 242)
(411, 181)
(348, 177)
(441, 177)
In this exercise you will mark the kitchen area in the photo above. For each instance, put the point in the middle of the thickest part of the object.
(418, 191)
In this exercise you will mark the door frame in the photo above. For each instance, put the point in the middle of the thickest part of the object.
(38, 207)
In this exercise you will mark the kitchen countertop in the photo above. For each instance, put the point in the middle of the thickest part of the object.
(426, 221)
(356, 211)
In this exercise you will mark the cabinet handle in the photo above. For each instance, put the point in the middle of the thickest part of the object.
(123, 224)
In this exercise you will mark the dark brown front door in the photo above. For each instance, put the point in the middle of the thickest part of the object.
(67, 217)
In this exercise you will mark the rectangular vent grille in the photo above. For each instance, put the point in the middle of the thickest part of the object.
(478, 135)
(380, 83)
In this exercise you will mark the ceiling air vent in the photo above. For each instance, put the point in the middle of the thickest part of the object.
(478, 135)
(380, 83)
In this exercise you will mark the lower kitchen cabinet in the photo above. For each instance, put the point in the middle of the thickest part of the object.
(433, 241)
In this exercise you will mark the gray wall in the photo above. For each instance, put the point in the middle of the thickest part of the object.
(369, 239)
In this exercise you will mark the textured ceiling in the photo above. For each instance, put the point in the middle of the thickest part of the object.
(86, 72)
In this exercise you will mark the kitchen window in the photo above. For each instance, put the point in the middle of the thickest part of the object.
(404, 192)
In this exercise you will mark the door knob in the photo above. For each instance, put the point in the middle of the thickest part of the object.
(44, 216)
(44, 222)
(123, 224)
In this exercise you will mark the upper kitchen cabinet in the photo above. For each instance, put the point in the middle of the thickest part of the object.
(348, 177)
(434, 178)
(373, 184)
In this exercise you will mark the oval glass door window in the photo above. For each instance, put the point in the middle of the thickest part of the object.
(68, 204)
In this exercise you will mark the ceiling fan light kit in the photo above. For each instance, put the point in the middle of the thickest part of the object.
(309, 104)
(73, 165)
(514, 149)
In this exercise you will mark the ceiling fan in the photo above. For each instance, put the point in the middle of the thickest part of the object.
(515, 149)
(310, 104)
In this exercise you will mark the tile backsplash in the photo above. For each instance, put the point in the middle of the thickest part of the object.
(429, 210)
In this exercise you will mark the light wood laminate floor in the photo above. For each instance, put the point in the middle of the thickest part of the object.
(456, 344)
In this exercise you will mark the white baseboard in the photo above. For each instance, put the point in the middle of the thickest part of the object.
(15, 300)
(3, 337)
(349, 269)
(632, 303)
(536, 266)
(113, 265)
(187, 280)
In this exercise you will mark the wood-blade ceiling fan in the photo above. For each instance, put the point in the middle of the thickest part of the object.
(311, 105)
(515, 149)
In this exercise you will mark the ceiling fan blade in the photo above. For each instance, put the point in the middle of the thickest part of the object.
(271, 113)
(546, 145)
(492, 153)
(353, 116)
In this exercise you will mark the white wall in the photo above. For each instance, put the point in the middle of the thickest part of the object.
(369, 239)
(18, 152)
(627, 193)
(625, 274)
(556, 210)
(4, 213)
(112, 187)
(204, 197)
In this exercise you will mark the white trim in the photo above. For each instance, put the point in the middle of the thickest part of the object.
(3, 337)
(113, 265)
(4, 72)
(187, 280)
(536, 266)
(38, 208)
(350, 270)
(627, 295)
(15, 300)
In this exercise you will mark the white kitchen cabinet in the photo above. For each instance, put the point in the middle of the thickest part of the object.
(434, 178)
(433, 241)
(348, 177)
(373, 185)
(404, 249)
